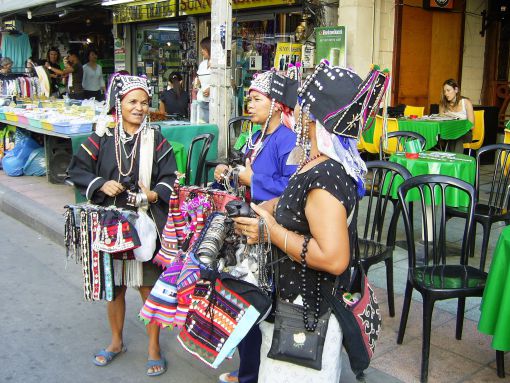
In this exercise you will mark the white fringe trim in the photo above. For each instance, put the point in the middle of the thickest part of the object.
(127, 273)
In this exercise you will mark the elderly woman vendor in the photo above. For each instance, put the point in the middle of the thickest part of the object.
(313, 223)
(105, 169)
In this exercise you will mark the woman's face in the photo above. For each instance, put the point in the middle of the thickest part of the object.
(258, 107)
(92, 56)
(205, 53)
(6, 68)
(53, 57)
(450, 92)
(135, 106)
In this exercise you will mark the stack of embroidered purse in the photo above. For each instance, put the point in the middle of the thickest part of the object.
(222, 312)
(95, 235)
(189, 207)
(169, 300)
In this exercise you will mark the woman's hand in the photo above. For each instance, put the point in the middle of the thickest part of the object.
(112, 188)
(152, 196)
(246, 174)
(219, 171)
(250, 226)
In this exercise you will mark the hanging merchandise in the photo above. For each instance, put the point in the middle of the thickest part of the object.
(21, 86)
(17, 47)
(101, 239)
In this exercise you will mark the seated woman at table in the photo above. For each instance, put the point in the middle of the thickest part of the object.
(454, 105)
(105, 169)
(174, 100)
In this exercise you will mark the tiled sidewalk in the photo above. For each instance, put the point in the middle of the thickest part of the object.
(468, 360)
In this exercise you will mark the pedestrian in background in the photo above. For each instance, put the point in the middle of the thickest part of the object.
(203, 81)
(93, 80)
(53, 60)
(174, 100)
(73, 70)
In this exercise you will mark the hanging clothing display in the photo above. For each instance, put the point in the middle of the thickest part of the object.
(17, 48)
(21, 86)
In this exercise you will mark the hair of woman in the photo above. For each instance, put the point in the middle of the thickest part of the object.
(5, 61)
(444, 102)
(206, 44)
(175, 78)
(53, 49)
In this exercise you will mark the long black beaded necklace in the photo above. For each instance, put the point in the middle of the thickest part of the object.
(306, 306)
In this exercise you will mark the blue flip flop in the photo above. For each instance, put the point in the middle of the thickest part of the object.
(107, 355)
(156, 363)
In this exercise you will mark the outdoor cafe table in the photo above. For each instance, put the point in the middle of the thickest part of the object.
(495, 307)
(432, 130)
(457, 165)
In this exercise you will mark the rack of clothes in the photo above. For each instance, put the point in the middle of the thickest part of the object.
(20, 85)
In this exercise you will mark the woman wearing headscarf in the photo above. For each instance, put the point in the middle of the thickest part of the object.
(105, 169)
(313, 222)
(266, 173)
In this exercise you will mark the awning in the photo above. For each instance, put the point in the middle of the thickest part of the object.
(15, 5)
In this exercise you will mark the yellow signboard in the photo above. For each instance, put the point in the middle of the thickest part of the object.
(286, 53)
(193, 7)
(137, 11)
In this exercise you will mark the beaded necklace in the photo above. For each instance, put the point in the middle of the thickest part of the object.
(118, 154)
(306, 162)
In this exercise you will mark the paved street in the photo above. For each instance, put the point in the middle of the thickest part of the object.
(49, 333)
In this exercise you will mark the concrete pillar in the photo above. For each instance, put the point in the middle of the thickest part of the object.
(220, 107)
(358, 18)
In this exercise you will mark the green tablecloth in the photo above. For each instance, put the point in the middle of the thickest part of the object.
(495, 307)
(185, 134)
(431, 130)
(461, 166)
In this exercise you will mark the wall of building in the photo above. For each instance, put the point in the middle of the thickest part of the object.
(474, 51)
(370, 30)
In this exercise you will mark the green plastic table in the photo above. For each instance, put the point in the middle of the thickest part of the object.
(461, 166)
(433, 130)
(430, 129)
(495, 307)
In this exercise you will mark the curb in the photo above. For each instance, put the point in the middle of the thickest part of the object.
(32, 214)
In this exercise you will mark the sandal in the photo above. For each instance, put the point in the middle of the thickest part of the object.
(156, 363)
(107, 355)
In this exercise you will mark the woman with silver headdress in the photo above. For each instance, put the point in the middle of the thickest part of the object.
(266, 173)
(108, 169)
(313, 223)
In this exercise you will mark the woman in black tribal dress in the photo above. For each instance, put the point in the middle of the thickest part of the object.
(104, 170)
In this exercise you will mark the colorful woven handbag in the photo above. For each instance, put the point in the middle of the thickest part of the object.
(223, 310)
(360, 320)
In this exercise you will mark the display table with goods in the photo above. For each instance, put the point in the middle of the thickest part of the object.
(57, 122)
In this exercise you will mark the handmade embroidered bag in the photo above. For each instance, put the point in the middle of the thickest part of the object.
(114, 233)
(222, 311)
(360, 321)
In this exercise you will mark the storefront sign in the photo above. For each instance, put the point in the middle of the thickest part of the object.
(192, 7)
(331, 45)
(119, 55)
(137, 11)
(286, 53)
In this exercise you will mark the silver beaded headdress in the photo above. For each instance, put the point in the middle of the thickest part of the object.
(120, 85)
